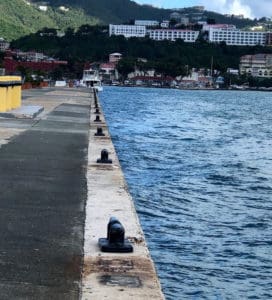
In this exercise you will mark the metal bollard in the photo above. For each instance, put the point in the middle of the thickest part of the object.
(99, 132)
(97, 111)
(115, 241)
(104, 157)
(97, 119)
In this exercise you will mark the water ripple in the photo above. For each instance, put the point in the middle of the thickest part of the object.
(199, 167)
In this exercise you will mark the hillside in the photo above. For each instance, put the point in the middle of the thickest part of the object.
(219, 18)
(114, 11)
(17, 18)
(20, 17)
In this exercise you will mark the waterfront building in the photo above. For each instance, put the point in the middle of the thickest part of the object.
(108, 71)
(146, 73)
(258, 65)
(17, 58)
(188, 36)
(232, 71)
(115, 57)
(236, 37)
(35, 56)
(127, 30)
(149, 23)
(154, 81)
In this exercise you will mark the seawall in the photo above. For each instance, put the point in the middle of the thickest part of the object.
(113, 275)
(56, 202)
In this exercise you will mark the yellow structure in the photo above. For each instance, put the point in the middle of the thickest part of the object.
(10, 92)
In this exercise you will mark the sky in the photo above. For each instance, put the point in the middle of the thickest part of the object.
(249, 8)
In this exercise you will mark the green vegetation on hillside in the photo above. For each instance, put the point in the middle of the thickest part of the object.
(17, 18)
(119, 11)
(114, 11)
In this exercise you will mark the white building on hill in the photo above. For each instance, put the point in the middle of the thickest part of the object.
(237, 37)
(127, 30)
(149, 23)
(207, 27)
(189, 36)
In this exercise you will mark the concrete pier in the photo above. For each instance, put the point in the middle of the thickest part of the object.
(55, 202)
(43, 193)
(111, 275)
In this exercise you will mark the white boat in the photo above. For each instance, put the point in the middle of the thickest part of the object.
(91, 79)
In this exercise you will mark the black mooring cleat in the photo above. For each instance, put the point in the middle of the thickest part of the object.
(115, 241)
(97, 111)
(99, 132)
(104, 158)
(97, 119)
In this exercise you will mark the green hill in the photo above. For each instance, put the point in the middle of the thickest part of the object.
(114, 11)
(22, 17)
(18, 18)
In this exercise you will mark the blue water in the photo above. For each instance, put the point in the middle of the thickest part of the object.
(199, 167)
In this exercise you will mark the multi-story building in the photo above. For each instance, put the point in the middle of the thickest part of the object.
(269, 39)
(11, 65)
(35, 56)
(115, 57)
(127, 30)
(188, 36)
(149, 23)
(258, 65)
(165, 24)
(29, 56)
(207, 27)
(216, 33)
(237, 37)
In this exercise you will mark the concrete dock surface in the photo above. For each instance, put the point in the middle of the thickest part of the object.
(55, 202)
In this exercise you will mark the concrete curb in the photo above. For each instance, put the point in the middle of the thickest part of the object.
(24, 112)
(113, 275)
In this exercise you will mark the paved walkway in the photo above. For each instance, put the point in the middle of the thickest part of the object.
(42, 207)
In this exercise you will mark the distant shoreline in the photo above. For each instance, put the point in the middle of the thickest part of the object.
(197, 89)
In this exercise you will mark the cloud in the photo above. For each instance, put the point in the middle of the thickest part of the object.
(260, 8)
(249, 8)
(156, 3)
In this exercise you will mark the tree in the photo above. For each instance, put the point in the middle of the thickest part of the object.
(69, 32)
(211, 21)
(126, 66)
(172, 23)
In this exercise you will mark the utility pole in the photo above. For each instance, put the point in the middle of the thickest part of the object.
(212, 66)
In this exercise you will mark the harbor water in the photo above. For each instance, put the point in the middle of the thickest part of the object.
(199, 167)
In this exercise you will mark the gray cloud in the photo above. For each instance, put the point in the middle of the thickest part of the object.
(250, 8)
